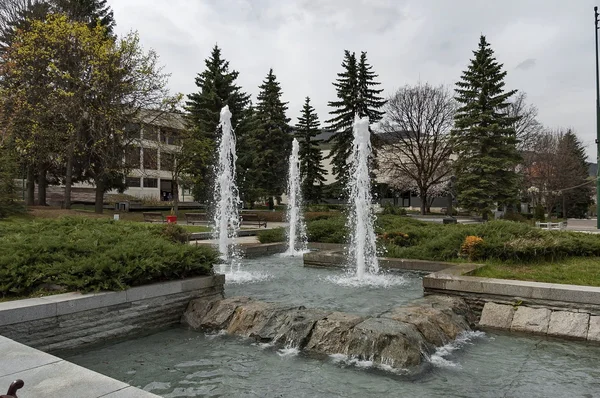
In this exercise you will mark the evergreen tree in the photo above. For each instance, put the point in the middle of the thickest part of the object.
(577, 200)
(355, 95)
(270, 142)
(88, 11)
(311, 159)
(484, 138)
(217, 88)
(369, 101)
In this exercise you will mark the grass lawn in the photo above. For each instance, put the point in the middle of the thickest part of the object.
(196, 228)
(574, 271)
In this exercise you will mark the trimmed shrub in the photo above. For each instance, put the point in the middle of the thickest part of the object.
(271, 235)
(329, 230)
(83, 254)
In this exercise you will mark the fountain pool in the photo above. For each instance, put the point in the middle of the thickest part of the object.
(182, 363)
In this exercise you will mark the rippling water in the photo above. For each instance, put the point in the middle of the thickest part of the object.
(286, 280)
(183, 363)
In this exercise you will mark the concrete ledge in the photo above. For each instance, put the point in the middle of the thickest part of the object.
(264, 249)
(48, 376)
(71, 320)
(336, 258)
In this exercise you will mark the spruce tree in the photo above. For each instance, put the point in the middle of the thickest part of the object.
(356, 95)
(90, 12)
(270, 141)
(577, 200)
(484, 138)
(217, 88)
(311, 158)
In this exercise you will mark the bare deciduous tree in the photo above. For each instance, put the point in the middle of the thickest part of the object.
(415, 145)
(527, 126)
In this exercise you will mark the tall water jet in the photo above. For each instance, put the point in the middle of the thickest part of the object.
(296, 233)
(226, 195)
(363, 250)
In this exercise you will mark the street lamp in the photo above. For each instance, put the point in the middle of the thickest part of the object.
(597, 124)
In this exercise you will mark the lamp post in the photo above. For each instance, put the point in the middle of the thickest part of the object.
(597, 123)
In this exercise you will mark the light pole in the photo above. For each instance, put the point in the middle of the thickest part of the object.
(597, 124)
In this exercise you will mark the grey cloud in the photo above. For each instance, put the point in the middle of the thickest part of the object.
(527, 64)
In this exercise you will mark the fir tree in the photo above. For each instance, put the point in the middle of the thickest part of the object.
(270, 141)
(355, 95)
(217, 88)
(484, 138)
(311, 159)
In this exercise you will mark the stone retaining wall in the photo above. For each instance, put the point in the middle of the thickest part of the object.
(541, 320)
(71, 320)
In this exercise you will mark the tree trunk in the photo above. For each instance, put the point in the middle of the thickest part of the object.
(69, 179)
(423, 203)
(564, 206)
(42, 186)
(175, 189)
(271, 203)
(30, 195)
(99, 203)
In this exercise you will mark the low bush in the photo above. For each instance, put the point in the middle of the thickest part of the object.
(394, 210)
(503, 240)
(82, 254)
(271, 235)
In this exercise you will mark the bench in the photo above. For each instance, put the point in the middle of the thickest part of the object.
(197, 218)
(153, 217)
(552, 225)
(253, 219)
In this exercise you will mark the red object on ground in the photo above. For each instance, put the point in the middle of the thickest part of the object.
(172, 219)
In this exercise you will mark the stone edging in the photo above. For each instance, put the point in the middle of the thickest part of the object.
(68, 303)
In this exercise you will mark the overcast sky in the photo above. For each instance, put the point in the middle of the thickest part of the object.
(547, 47)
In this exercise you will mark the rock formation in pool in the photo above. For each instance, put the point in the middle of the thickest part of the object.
(401, 337)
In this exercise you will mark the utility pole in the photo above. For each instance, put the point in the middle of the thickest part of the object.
(597, 124)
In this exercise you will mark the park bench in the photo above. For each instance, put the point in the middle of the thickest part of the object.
(153, 217)
(197, 218)
(253, 219)
(552, 225)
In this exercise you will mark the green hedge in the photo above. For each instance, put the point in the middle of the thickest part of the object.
(82, 254)
(271, 235)
(502, 240)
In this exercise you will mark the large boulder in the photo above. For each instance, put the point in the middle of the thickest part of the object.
(330, 334)
(212, 314)
(437, 327)
(386, 341)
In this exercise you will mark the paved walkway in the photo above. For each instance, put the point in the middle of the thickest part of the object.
(48, 376)
(582, 225)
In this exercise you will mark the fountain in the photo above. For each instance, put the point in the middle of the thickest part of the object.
(227, 221)
(362, 250)
(297, 229)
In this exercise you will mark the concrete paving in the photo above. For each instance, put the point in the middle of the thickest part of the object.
(48, 376)
(582, 225)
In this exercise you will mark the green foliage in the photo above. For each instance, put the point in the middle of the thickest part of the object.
(328, 230)
(502, 240)
(175, 233)
(271, 235)
(270, 142)
(577, 199)
(217, 88)
(394, 210)
(311, 159)
(484, 137)
(514, 216)
(8, 190)
(94, 254)
(356, 95)
(539, 213)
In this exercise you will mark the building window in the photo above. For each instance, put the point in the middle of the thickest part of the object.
(168, 136)
(150, 159)
(150, 182)
(133, 130)
(167, 160)
(133, 182)
(132, 157)
(150, 132)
